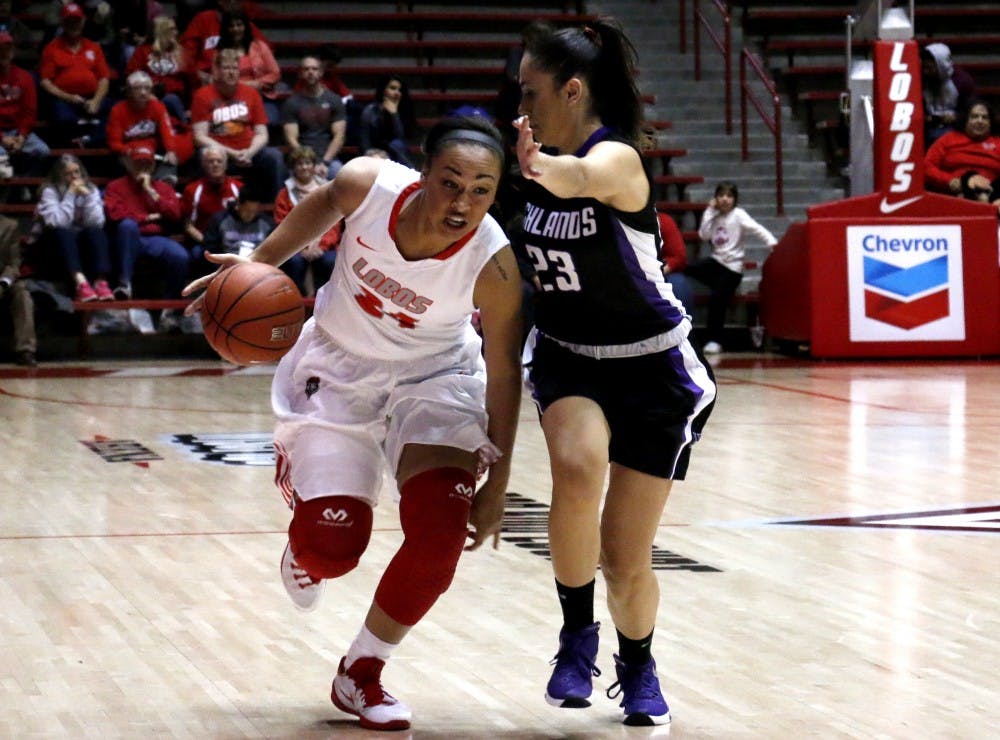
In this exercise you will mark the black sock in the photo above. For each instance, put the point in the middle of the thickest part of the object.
(635, 652)
(577, 605)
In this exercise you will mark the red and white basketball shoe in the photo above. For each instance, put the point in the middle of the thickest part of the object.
(303, 589)
(358, 690)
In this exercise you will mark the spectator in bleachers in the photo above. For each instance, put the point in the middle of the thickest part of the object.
(947, 90)
(388, 122)
(673, 253)
(142, 120)
(74, 72)
(241, 228)
(329, 57)
(15, 295)
(133, 21)
(202, 199)
(162, 58)
(725, 227)
(232, 115)
(145, 211)
(69, 221)
(966, 161)
(201, 37)
(25, 153)
(25, 49)
(127, 24)
(317, 257)
(258, 67)
(186, 10)
(315, 117)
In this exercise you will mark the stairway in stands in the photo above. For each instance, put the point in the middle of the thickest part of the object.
(696, 110)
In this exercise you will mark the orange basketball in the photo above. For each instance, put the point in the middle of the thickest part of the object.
(252, 313)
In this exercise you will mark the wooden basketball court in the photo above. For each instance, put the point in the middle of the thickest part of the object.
(830, 569)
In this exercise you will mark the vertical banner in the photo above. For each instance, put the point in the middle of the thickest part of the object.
(899, 124)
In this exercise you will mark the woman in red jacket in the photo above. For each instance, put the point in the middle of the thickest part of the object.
(164, 61)
(966, 162)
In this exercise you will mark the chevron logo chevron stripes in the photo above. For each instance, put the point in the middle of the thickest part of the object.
(906, 297)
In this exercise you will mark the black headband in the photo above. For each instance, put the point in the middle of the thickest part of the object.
(468, 134)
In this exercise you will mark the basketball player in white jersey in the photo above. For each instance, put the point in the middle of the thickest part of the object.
(389, 374)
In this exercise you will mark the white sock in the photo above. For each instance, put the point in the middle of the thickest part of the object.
(367, 645)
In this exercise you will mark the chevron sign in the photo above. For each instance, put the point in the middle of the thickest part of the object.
(905, 283)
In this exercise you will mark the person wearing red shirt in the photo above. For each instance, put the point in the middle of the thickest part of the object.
(258, 67)
(202, 199)
(144, 211)
(142, 120)
(164, 61)
(202, 36)
(966, 161)
(673, 253)
(74, 72)
(232, 115)
(18, 115)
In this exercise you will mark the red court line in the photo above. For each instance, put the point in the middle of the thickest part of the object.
(850, 401)
(130, 406)
(125, 535)
(737, 362)
(824, 396)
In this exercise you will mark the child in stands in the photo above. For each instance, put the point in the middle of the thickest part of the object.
(726, 227)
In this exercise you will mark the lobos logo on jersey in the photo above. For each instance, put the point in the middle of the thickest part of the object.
(144, 129)
(10, 93)
(383, 286)
(237, 111)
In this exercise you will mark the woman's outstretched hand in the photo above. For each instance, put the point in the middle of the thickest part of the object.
(225, 261)
(527, 149)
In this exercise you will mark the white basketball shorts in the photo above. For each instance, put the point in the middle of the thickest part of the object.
(343, 419)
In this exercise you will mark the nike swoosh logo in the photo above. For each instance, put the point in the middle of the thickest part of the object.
(366, 246)
(886, 207)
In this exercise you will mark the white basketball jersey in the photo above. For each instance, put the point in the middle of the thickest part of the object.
(378, 304)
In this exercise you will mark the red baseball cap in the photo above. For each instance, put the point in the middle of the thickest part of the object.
(71, 10)
(140, 154)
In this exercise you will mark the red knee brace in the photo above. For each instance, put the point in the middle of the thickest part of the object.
(328, 535)
(434, 511)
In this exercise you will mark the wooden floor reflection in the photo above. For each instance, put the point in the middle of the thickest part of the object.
(831, 568)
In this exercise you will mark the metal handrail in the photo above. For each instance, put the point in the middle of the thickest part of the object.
(724, 45)
(773, 123)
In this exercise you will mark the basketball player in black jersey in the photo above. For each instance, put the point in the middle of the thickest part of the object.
(612, 371)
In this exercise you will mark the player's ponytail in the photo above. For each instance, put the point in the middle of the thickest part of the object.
(601, 55)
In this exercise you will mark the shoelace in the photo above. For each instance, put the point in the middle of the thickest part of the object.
(302, 579)
(368, 686)
(648, 685)
(569, 655)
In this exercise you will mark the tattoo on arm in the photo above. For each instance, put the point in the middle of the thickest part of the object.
(496, 263)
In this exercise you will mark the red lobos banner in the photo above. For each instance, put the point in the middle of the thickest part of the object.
(899, 124)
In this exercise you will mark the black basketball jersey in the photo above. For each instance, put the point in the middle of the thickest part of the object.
(602, 281)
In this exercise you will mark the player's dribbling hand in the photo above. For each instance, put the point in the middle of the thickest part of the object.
(224, 261)
(527, 148)
(486, 517)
